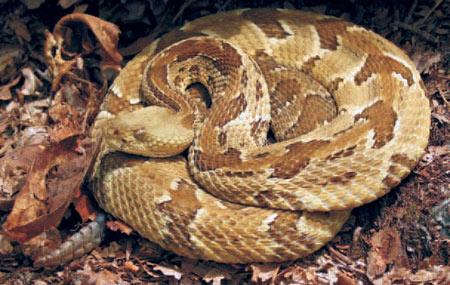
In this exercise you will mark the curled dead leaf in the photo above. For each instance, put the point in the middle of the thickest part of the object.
(106, 33)
(55, 175)
(5, 90)
(31, 82)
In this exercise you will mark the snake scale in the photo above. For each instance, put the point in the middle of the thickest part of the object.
(249, 135)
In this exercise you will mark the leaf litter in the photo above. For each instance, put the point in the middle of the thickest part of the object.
(50, 90)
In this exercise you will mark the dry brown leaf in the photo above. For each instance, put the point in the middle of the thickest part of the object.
(19, 28)
(102, 277)
(14, 168)
(84, 207)
(424, 60)
(209, 272)
(33, 4)
(105, 32)
(297, 275)
(113, 250)
(386, 248)
(54, 177)
(34, 136)
(5, 245)
(68, 122)
(433, 275)
(129, 265)
(5, 90)
(264, 272)
(67, 3)
(58, 66)
(31, 83)
(344, 279)
(118, 226)
(169, 270)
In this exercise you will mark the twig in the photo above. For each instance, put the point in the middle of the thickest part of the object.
(183, 7)
(224, 5)
(421, 21)
(427, 36)
(411, 11)
(340, 256)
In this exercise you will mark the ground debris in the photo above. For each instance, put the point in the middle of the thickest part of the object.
(52, 83)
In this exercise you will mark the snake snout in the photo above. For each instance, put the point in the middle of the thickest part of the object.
(151, 131)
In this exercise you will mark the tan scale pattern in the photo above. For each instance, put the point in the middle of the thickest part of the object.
(346, 108)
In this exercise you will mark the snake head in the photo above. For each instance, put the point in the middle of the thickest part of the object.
(151, 131)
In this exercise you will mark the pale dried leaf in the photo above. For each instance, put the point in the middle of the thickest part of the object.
(67, 3)
(5, 245)
(33, 4)
(425, 60)
(31, 82)
(264, 272)
(169, 270)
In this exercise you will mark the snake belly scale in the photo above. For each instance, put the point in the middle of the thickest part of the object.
(290, 119)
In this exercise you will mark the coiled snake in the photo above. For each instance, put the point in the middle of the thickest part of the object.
(291, 119)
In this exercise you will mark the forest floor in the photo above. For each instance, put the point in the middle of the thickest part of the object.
(49, 98)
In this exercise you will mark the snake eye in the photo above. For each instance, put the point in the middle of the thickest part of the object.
(139, 134)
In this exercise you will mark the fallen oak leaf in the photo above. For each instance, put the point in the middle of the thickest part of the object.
(14, 168)
(54, 176)
(105, 32)
(68, 122)
(386, 248)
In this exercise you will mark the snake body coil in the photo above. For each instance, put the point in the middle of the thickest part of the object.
(291, 120)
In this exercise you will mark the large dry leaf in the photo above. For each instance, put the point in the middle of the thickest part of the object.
(386, 249)
(54, 178)
(14, 168)
(105, 32)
